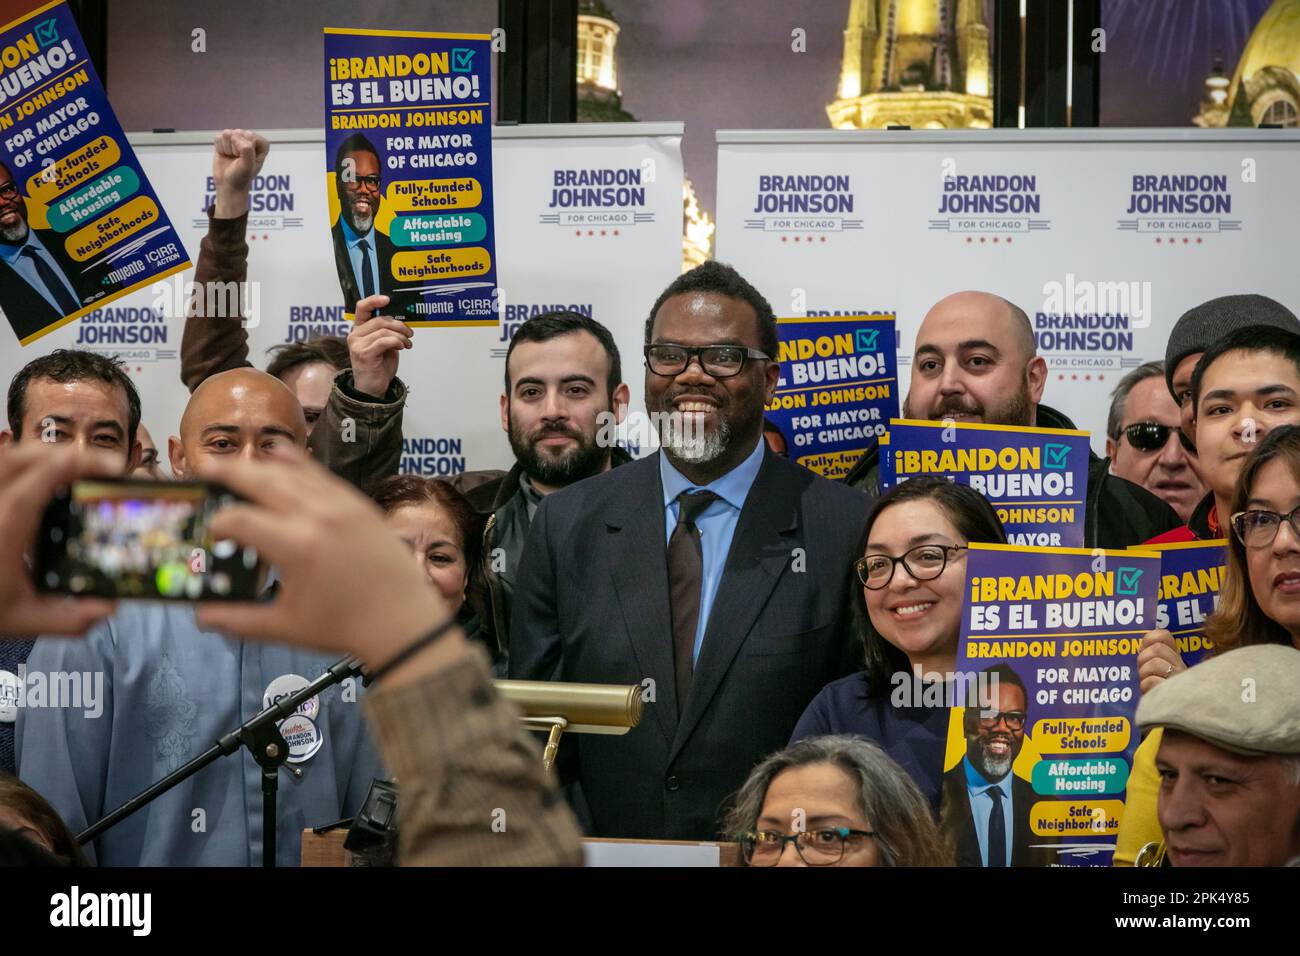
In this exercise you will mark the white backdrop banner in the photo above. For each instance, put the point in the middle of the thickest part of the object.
(1104, 237)
(588, 217)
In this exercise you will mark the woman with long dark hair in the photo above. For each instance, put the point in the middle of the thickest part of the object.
(908, 603)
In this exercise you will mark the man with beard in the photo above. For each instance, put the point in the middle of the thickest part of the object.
(985, 813)
(714, 574)
(39, 282)
(976, 361)
(361, 252)
(564, 378)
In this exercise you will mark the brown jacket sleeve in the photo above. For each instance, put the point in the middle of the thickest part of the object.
(217, 342)
(357, 437)
(473, 790)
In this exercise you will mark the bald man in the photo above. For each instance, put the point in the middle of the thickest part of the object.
(976, 360)
(164, 691)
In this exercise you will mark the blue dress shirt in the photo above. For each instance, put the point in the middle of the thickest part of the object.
(981, 804)
(354, 255)
(23, 265)
(717, 523)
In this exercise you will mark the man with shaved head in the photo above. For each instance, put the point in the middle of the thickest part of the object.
(171, 690)
(976, 361)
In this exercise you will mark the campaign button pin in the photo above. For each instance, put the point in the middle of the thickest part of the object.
(303, 737)
(283, 686)
(8, 697)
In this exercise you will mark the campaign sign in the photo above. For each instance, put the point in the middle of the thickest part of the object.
(408, 151)
(80, 224)
(1035, 478)
(1191, 577)
(1050, 638)
(838, 388)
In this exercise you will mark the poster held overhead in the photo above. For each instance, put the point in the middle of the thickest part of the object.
(408, 146)
(80, 224)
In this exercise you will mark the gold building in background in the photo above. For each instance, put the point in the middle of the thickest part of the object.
(599, 101)
(918, 63)
(1265, 87)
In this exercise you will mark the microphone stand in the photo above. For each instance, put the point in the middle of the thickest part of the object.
(262, 737)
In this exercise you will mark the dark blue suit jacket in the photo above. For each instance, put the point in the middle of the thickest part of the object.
(591, 605)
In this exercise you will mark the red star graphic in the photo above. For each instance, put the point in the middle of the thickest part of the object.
(981, 238)
(1100, 377)
(139, 369)
(1198, 240)
(969, 239)
(810, 238)
(578, 233)
(785, 238)
(1061, 377)
(1185, 240)
(1008, 240)
(796, 238)
(1087, 378)
(823, 238)
(995, 238)
(1074, 378)
(252, 237)
(590, 232)
(616, 232)
(602, 232)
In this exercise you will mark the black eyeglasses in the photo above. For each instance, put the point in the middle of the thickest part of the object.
(925, 562)
(1257, 529)
(1015, 719)
(720, 361)
(822, 847)
(8, 190)
(357, 182)
(1152, 436)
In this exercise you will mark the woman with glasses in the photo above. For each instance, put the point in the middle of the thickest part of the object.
(1259, 602)
(908, 601)
(833, 801)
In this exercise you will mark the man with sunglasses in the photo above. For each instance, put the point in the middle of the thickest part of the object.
(361, 252)
(1145, 443)
(39, 282)
(985, 805)
(715, 574)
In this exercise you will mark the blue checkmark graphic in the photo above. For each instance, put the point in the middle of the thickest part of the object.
(865, 339)
(1057, 456)
(1128, 580)
(462, 60)
(47, 32)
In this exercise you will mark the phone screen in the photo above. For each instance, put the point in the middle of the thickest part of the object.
(142, 539)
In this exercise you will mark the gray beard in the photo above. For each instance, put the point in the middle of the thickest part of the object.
(694, 448)
(362, 226)
(15, 233)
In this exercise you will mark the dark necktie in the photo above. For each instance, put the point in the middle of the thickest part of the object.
(685, 578)
(53, 283)
(997, 830)
(367, 282)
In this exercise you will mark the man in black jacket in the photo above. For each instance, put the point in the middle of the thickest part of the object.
(564, 394)
(976, 361)
(714, 574)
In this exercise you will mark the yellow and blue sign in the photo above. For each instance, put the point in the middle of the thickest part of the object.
(408, 140)
(1061, 628)
(838, 388)
(80, 224)
(1191, 579)
(1035, 478)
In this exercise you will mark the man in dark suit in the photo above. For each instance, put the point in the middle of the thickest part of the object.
(713, 573)
(985, 814)
(39, 282)
(362, 254)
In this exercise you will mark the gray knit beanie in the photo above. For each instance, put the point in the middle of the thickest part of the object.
(1203, 325)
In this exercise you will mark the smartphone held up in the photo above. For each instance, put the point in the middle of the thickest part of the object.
(151, 540)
